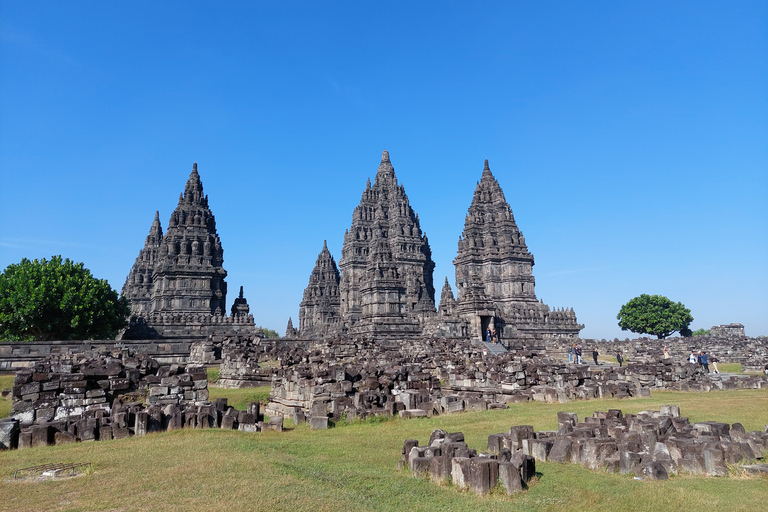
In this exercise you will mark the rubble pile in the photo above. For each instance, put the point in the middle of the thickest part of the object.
(111, 395)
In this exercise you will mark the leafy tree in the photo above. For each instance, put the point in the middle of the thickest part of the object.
(269, 333)
(58, 300)
(700, 332)
(654, 314)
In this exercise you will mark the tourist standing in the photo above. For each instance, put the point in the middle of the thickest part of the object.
(595, 354)
(570, 353)
(704, 361)
(620, 358)
(693, 359)
(495, 338)
(488, 335)
(578, 354)
(666, 352)
(714, 362)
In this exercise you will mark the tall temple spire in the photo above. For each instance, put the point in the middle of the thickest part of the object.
(386, 264)
(385, 167)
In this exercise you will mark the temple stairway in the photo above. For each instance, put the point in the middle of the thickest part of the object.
(494, 348)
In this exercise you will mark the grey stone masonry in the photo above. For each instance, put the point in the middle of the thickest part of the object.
(94, 396)
(319, 310)
(177, 285)
(386, 264)
(494, 277)
(447, 458)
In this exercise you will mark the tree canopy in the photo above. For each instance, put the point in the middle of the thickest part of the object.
(58, 300)
(654, 314)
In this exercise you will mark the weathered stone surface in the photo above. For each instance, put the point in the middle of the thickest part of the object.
(177, 283)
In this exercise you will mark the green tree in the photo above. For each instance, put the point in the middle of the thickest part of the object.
(58, 300)
(269, 333)
(654, 314)
(700, 332)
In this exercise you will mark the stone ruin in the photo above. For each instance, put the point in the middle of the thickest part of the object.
(101, 396)
(327, 380)
(383, 286)
(349, 379)
(751, 353)
(727, 331)
(447, 458)
(177, 284)
(649, 444)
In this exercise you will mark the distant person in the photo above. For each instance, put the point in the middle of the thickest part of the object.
(666, 352)
(714, 361)
(704, 361)
(693, 358)
(620, 358)
(595, 354)
(571, 350)
(701, 360)
(494, 337)
(488, 335)
(578, 354)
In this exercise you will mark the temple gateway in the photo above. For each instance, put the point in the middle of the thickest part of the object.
(383, 286)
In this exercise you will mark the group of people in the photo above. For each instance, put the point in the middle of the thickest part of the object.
(491, 336)
(575, 352)
(702, 359)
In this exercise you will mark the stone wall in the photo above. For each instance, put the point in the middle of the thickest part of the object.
(91, 396)
(24, 354)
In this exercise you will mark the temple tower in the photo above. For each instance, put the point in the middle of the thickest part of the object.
(319, 310)
(494, 272)
(386, 264)
(138, 285)
(189, 277)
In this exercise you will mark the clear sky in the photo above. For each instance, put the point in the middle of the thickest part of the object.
(630, 138)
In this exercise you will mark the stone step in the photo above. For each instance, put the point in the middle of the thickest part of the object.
(494, 348)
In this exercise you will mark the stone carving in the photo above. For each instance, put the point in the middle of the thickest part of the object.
(178, 280)
(386, 285)
(494, 278)
(319, 312)
(386, 263)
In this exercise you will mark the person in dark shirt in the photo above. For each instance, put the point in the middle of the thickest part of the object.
(595, 354)
(620, 358)
(704, 361)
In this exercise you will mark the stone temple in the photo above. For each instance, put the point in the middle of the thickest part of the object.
(384, 287)
(177, 284)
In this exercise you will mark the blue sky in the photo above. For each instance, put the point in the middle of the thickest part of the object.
(630, 138)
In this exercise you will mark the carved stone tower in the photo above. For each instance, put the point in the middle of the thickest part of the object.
(319, 309)
(189, 277)
(494, 276)
(386, 265)
(138, 285)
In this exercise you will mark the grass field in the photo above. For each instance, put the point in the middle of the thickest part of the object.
(353, 467)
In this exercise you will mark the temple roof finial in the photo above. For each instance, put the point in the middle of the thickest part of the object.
(194, 167)
(157, 215)
(485, 167)
(384, 156)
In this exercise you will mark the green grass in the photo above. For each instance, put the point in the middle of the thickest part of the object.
(728, 367)
(213, 374)
(353, 467)
(6, 381)
(240, 398)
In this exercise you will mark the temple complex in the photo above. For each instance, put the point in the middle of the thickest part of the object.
(177, 285)
(385, 284)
